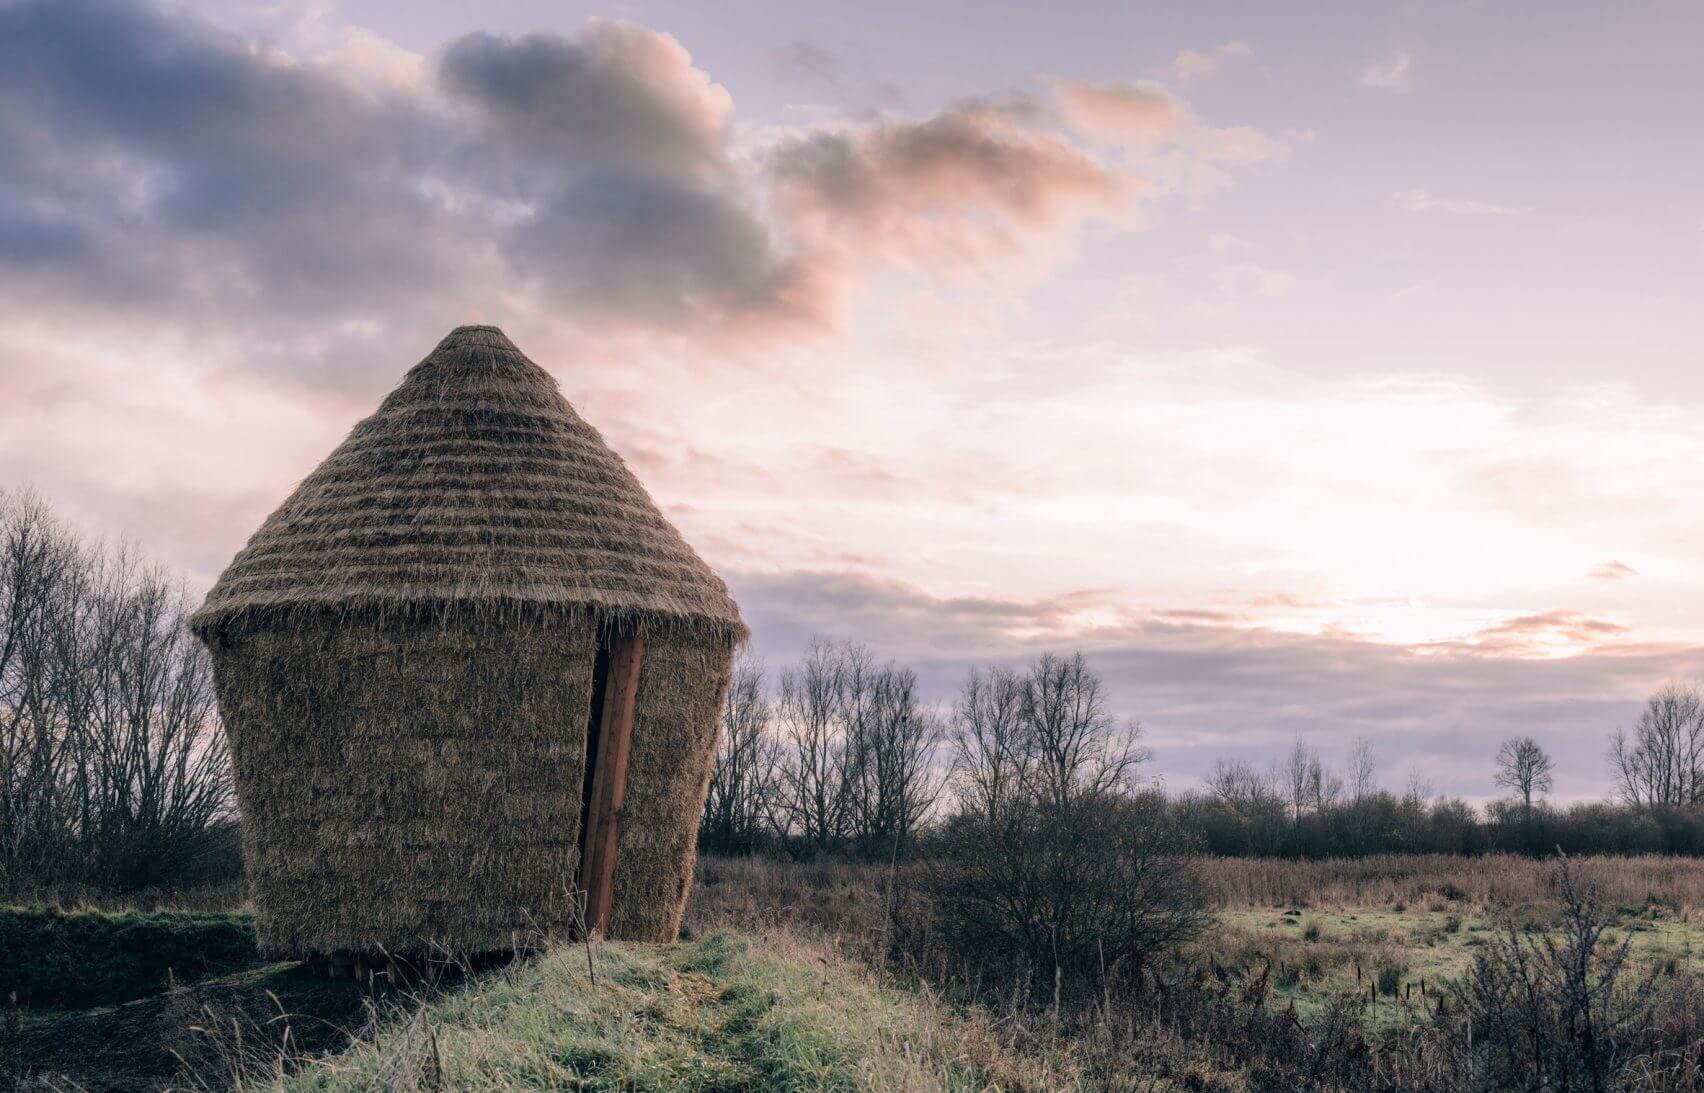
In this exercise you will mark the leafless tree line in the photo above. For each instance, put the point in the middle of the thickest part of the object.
(842, 755)
(843, 752)
(1299, 784)
(112, 769)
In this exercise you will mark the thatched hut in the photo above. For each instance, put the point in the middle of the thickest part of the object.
(471, 678)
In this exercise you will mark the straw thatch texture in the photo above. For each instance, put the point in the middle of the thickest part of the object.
(406, 789)
(404, 661)
(682, 685)
(475, 486)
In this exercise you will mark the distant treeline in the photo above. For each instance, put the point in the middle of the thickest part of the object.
(839, 754)
(1385, 823)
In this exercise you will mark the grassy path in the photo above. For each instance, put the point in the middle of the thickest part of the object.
(716, 1014)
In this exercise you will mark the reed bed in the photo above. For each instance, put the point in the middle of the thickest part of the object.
(1435, 881)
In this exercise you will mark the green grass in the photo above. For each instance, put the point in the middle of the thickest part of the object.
(721, 1013)
(1317, 953)
(55, 959)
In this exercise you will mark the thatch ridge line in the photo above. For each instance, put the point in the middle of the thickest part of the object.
(332, 616)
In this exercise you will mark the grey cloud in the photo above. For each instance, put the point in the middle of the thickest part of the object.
(646, 248)
(186, 175)
(929, 161)
(965, 184)
(615, 94)
(162, 171)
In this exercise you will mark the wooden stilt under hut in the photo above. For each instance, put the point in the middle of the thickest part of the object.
(471, 679)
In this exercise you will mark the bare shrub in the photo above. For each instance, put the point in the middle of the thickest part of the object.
(1558, 1009)
(1055, 868)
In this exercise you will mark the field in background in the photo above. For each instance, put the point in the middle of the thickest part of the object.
(1387, 928)
(1391, 928)
(849, 897)
(1436, 881)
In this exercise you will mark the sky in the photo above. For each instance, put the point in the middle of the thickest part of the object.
(1322, 372)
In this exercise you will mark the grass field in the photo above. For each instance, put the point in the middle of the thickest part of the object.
(1404, 956)
(1393, 928)
(792, 976)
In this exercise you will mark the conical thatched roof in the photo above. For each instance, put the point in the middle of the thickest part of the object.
(474, 486)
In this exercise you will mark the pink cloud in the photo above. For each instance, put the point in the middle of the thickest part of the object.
(956, 190)
(1120, 112)
(1192, 63)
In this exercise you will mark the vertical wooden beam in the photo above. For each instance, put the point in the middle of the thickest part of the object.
(609, 780)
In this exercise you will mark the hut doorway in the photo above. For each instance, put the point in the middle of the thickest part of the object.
(609, 741)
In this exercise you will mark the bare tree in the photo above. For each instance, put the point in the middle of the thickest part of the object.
(1055, 860)
(891, 748)
(988, 734)
(813, 787)
(112, 769)
(1660, 764)
(1311, 786)
(1525, 768)
(1238, 785)
(1419, 791)
(741, 799)
(1363, 769)
(1074, 748)
(37, 560)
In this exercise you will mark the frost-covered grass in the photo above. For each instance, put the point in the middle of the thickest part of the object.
(721, 1013)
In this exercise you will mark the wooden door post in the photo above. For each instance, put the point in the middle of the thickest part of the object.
(609, 779)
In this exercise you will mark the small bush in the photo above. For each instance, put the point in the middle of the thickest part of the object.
(1553, 1006)
(1066, 895)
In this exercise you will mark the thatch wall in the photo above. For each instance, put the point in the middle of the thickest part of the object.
(406, 788)
(682, 684)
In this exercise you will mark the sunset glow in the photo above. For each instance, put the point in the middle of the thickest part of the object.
(1313, 376)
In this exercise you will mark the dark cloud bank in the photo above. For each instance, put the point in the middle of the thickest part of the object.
(158, 166)
(1206, 689)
